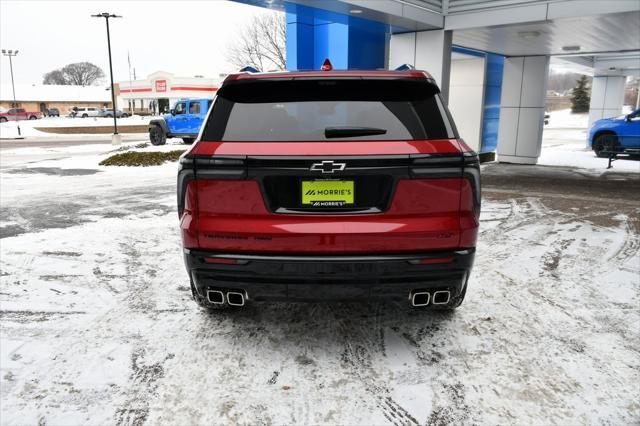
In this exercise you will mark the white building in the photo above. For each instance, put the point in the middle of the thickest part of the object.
(160, 90)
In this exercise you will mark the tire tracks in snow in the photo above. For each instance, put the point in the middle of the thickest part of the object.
(359, 352)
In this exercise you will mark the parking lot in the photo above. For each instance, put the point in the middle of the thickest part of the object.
(98, 325)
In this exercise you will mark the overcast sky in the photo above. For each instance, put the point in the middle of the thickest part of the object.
(185, 37)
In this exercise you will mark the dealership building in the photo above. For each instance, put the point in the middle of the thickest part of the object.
(160, 90)
(489, 57)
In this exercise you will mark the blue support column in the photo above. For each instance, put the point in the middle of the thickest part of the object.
(349, 42)
(494, 66)
(300, 38)
(492, 93)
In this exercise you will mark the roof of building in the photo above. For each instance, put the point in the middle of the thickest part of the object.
(55, 93)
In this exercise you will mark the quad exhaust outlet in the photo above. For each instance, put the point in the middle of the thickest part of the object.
(423, 298)
(232, 298)
(215, 296)
(235, 298)
(420, 298)
(441, 297)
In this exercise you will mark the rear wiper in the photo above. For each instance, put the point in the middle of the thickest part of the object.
(352, 132)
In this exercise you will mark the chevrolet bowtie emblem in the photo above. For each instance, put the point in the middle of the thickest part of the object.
(328, 166)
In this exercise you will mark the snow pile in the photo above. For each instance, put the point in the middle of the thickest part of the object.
(28, 127)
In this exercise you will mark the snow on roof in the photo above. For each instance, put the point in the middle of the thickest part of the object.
(55, 93)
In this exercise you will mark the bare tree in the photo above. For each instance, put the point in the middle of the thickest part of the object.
(79, 74)
(82, 73)
(261, 44)
(54, 77)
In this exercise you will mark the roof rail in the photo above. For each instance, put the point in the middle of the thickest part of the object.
(249, 69)
(405, 67)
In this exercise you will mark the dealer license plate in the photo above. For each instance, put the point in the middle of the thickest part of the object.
(327, 193)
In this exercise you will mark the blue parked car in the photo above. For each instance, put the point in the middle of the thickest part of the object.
(184, 121)
(615, 134)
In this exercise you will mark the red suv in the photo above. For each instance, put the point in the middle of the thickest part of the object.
(329, 185)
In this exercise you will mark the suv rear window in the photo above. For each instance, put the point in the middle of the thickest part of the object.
(337, 109)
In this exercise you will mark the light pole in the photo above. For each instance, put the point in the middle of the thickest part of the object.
(116, 139)
(10, 54)
(130, 89)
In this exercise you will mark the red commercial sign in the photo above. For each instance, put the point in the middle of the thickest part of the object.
(161, 85)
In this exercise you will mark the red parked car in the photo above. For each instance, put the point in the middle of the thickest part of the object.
(15, 114)
(329, 185)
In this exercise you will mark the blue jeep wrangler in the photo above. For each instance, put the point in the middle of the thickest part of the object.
(184, 121)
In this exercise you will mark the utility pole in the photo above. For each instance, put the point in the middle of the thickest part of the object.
(130, 88)
(10, 54)
(116, 139)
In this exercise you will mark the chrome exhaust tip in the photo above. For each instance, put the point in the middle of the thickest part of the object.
(235, 298)
(441, 297)
(215, 296)
(420, 298)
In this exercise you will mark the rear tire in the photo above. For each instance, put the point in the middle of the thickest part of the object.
(84, 116)
(33, 117)
(157, 135)
(604, 142)
(3, 119)
(188, 141)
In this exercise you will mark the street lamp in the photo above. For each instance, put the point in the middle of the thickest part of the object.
(10, 54)
(116, 139)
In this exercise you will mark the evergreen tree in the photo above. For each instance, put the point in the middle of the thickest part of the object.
(581, 96)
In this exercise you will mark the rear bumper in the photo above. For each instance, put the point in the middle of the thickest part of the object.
(316, 278)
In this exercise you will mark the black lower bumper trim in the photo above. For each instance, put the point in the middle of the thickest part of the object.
(314, 278)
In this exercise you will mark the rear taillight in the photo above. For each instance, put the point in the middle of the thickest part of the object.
(471, 172)
(214, 167)
(186, 174)
(436, 166)
(207, 167)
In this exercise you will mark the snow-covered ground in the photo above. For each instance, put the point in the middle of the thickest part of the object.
(79, 156)
(567, 147)
(97, 324)
(564, 119)
(28, 127)
(564, 143)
